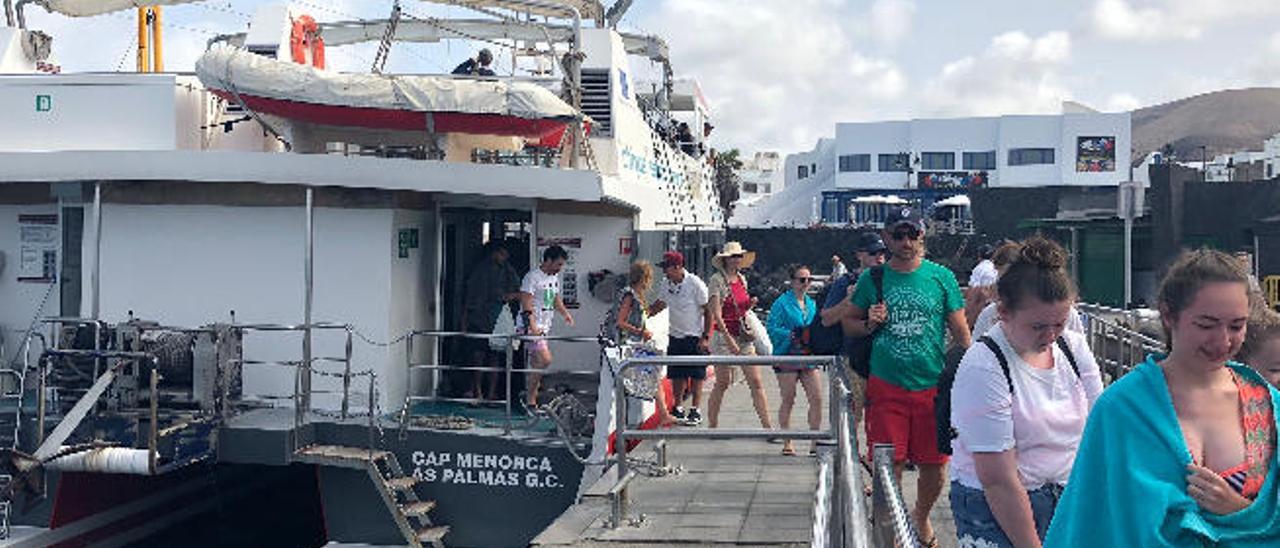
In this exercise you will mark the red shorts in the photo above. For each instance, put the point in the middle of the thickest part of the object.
(905, 419)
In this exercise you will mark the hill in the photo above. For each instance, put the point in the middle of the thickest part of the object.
(1221, 121)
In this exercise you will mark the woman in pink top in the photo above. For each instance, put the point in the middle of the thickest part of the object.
(1019, 404)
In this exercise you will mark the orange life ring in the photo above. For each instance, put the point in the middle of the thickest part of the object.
(306, 38)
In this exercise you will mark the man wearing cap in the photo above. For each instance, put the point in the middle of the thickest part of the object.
(921, 301)
(870, 252)
(685, 295)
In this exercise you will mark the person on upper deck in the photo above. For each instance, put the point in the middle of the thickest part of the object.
(1019, 405)
(1181, 450)
(477, 66)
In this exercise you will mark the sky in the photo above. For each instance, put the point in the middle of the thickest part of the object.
(779, 74)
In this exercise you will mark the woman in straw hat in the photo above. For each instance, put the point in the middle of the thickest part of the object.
(728, 306)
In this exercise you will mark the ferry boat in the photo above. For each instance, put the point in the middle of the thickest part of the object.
(230, 300)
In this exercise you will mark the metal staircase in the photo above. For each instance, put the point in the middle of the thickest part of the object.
(397, 489)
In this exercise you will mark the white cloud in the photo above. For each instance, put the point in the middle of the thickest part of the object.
(1122, 102)
(891, 21)
(1153, 20)
(777, 75)
(1016, 74)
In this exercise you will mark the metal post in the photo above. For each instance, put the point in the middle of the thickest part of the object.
(94, 278)
(155, 416)
(309, 268)
(373, 405)
(346, 378)
(882, 529)
(620, 440)
(1128, 259)
(510, 351)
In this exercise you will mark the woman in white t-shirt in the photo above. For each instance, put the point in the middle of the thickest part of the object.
(1019, 422)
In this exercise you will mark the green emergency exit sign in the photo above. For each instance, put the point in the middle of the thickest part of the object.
(44, 103)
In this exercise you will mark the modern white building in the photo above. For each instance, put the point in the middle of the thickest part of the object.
(927, 160)
(761, 175)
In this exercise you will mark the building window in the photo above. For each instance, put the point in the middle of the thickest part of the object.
(980, 160)
(937, 161)
(813, 168)
(855, 162)
(764, 189)
(803, 172)
(894, 162)
(1030, 156)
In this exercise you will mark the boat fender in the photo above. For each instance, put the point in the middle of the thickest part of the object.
(306, 37)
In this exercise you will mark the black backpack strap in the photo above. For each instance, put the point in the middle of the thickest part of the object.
(1066, 351)
(1004, 362)
(877, 278)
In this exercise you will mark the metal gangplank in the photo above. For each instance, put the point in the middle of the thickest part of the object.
(732, 486)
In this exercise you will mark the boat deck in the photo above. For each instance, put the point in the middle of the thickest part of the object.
(728, 493)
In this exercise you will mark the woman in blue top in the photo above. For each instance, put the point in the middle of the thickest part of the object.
(791, 311)
(1182, 450)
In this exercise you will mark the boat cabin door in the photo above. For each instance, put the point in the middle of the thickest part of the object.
(467, 235)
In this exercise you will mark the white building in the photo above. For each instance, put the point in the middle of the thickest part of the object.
(761, 175)
(927, 160)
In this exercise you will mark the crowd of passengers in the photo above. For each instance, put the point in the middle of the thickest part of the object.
(993, 388)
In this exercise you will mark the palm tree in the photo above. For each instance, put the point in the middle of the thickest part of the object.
(728, 182)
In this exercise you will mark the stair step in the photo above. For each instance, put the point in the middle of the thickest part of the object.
(342, 452)
(418, 508)
(433, 534)
(402, 484)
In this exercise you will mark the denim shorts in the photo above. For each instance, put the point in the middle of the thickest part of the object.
(976, 526)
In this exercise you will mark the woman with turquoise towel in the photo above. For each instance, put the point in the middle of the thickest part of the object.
(1181, 451)
(793, 311)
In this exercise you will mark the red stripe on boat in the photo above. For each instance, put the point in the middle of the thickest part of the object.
(402, 120)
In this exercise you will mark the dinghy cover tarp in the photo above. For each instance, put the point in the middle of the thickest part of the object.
(87, 8)
(241, 72)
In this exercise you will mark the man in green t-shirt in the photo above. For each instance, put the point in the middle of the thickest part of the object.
(921, 301)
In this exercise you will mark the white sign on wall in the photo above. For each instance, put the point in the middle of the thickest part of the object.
(37, 248)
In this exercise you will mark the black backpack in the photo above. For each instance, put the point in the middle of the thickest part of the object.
(942, 400)
(829, 341)
(826, 340)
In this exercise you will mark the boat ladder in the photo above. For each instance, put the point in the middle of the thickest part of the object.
(396, 488)
(12, 385)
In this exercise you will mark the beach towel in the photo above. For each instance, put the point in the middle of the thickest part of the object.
(1128, 486)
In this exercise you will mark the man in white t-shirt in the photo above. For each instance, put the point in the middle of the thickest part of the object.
(685, 296)
(982, 285)
(539, 302)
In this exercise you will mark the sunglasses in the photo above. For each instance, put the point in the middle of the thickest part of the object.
(803, 279)
(737, 255)
(906, 234)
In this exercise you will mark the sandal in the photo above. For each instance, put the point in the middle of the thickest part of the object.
(788, 451)
(931, 543)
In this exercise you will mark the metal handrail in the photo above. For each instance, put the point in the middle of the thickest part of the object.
(1116, 347)
(507, 369)
(892, 522)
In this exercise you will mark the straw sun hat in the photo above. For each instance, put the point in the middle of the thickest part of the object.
(730, 249)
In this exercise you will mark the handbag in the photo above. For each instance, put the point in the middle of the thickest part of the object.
(505, 325)
(759, 337)
(641, 382)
